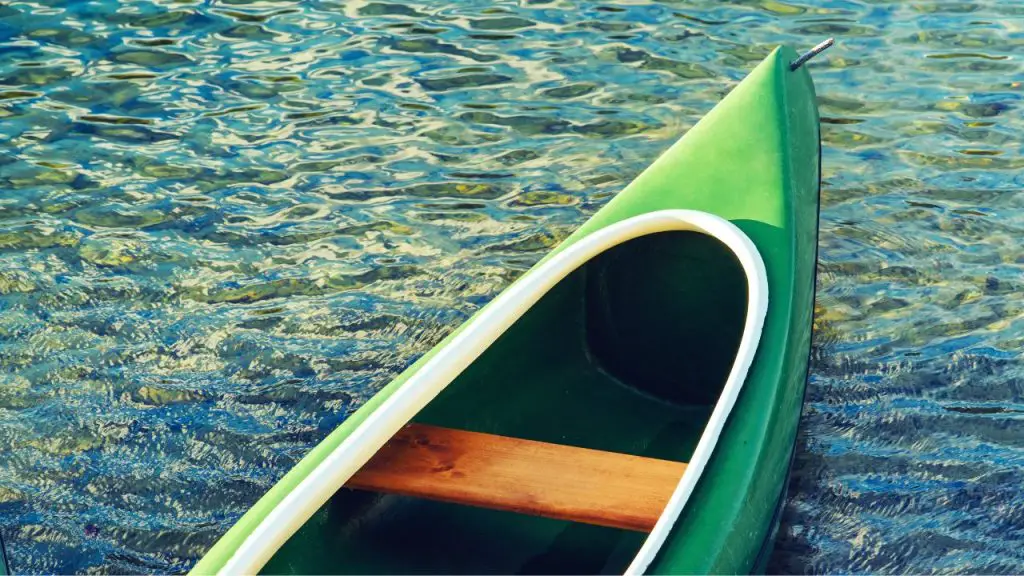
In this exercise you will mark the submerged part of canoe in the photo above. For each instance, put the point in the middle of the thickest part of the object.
(628, 353)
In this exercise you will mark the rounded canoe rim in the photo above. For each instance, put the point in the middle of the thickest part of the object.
(281, 522)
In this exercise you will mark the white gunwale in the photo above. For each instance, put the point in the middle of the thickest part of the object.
(365, 440)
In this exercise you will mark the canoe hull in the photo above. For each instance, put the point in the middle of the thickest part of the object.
(769, 126)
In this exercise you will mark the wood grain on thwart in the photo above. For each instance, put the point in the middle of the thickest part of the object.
(538, 478)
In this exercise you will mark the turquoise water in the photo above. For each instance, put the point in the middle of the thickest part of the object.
(224, 225)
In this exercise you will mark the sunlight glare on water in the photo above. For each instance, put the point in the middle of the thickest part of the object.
(224, 225)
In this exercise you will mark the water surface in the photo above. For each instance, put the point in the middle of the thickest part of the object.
(224, 225)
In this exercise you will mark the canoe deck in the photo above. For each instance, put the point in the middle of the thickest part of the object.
(524, 476)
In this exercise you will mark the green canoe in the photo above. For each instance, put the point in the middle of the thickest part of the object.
(673, 326)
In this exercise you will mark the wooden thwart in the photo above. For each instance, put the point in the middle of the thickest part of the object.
(538, 478)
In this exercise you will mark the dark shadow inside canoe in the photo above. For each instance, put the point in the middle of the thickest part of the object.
(627, 354)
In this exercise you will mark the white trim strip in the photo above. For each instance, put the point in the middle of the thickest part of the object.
(423, 386)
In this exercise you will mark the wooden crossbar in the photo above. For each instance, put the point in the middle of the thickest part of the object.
(538, 478)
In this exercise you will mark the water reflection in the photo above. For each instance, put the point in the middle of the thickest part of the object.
(225, 225)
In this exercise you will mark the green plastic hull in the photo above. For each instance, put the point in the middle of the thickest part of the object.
(628, 354)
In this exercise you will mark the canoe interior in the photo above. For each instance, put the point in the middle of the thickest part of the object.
(627, 354)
